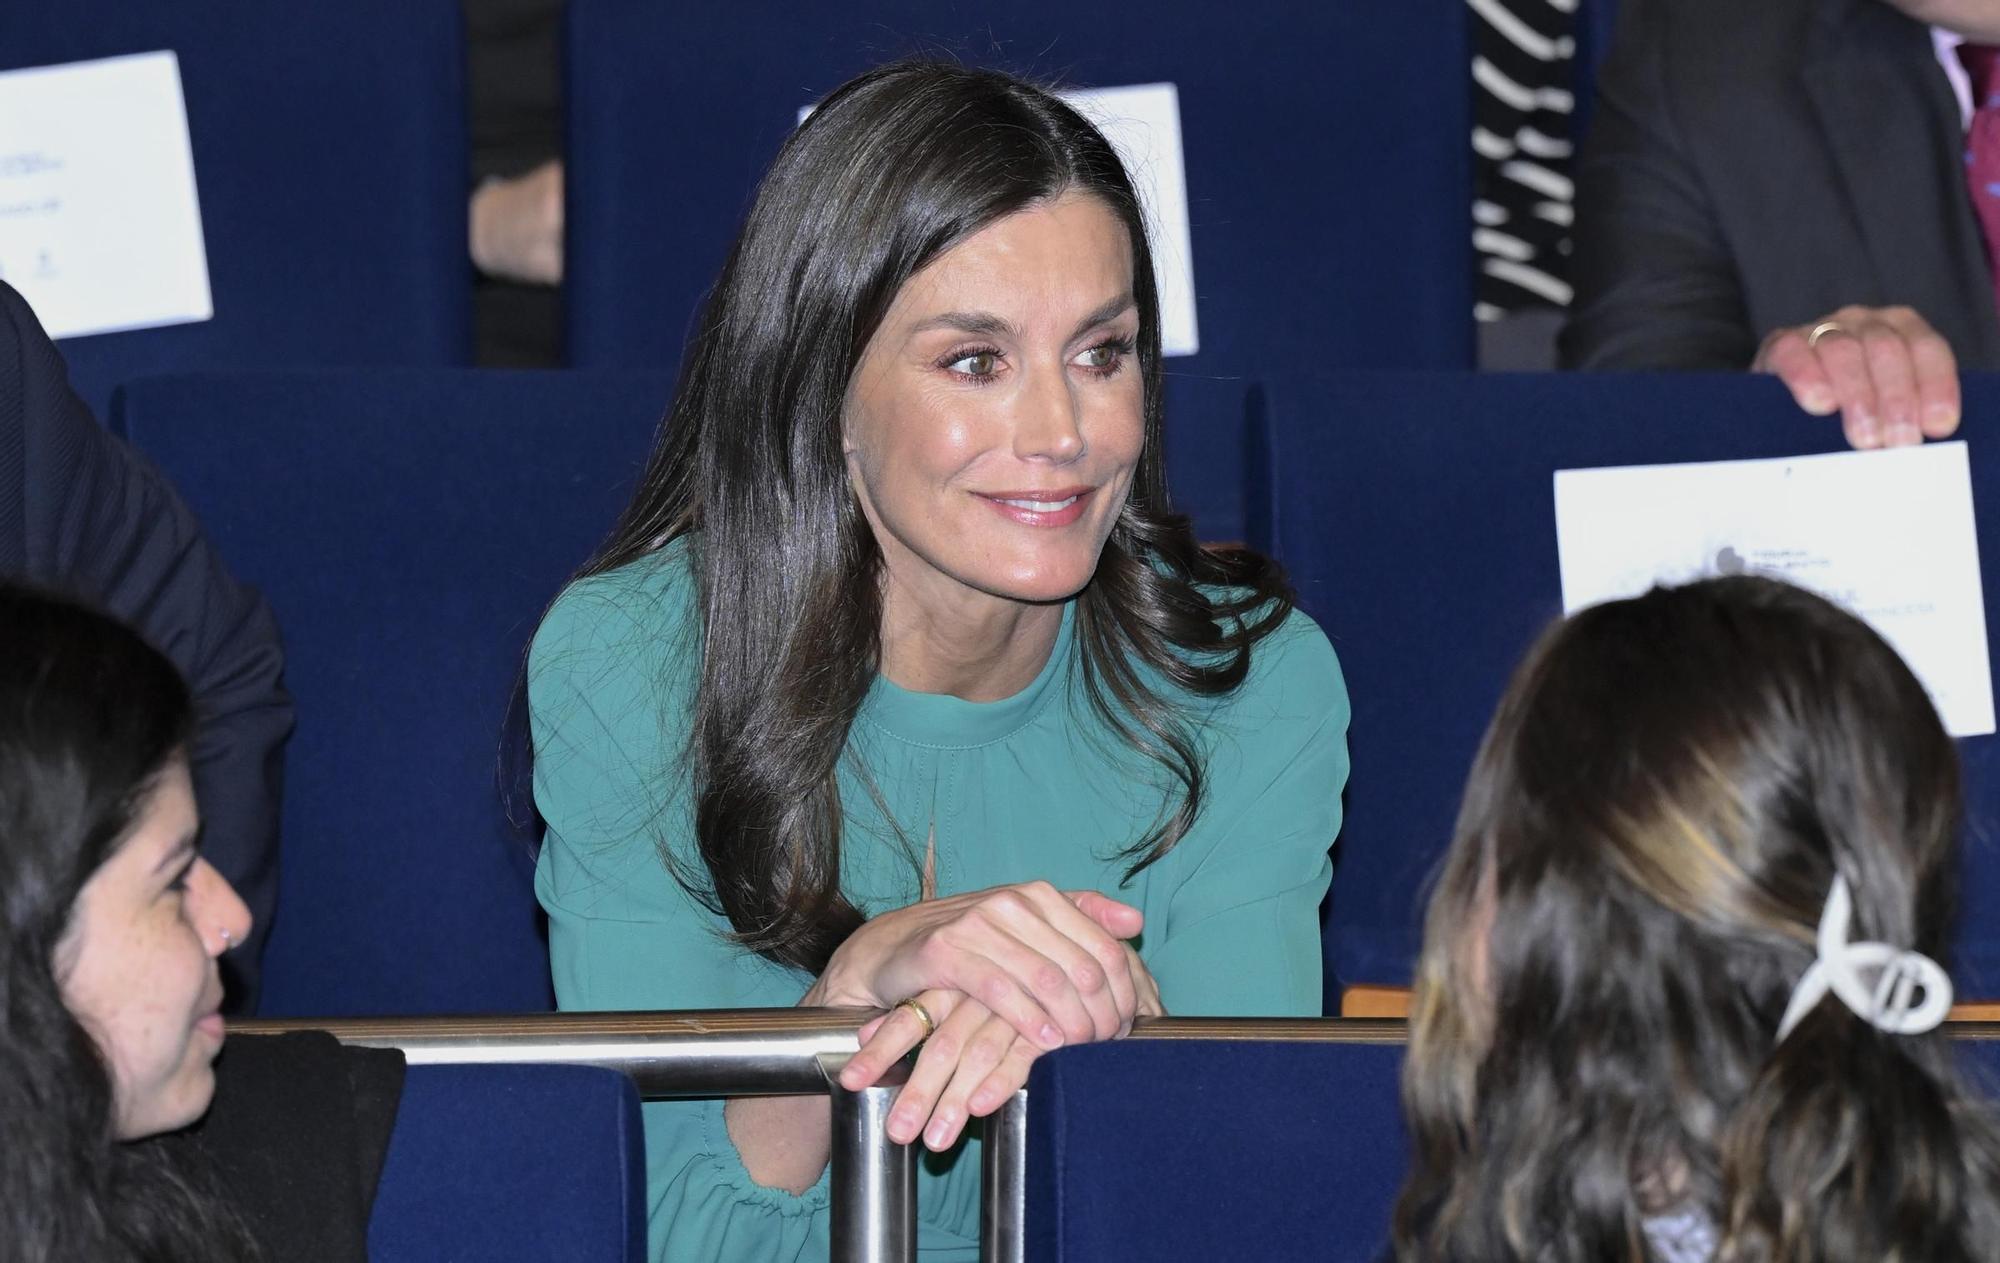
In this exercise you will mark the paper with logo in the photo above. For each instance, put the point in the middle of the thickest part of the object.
(100, 228)
(1143, 123)
(1888, 534)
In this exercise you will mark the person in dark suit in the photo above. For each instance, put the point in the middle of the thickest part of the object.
(84, 514)
(1783, 186)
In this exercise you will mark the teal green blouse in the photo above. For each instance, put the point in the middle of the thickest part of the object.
(1034, 786)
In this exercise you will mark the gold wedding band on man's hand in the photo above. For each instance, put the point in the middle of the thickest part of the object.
(919, 1012)
(1823, 328)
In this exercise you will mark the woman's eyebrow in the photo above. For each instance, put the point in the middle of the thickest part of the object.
(1110, 310)
(967, 322)
(180, 851)
(992, 325)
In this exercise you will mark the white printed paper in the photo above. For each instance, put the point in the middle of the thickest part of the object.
(100, 228)
(1143, 123)
(1888, 534)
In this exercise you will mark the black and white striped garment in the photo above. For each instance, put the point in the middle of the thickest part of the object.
(1522, 76)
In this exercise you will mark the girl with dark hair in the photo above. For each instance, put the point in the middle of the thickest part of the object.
(1678, 996)
(899, 667)
(110, 929)
(116, 1142)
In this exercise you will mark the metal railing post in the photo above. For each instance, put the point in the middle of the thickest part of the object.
(1003, 1202)
(874, 1179)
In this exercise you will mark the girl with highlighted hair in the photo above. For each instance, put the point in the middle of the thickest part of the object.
(1679, 999)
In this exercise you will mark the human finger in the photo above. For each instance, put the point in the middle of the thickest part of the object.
(1124, 921)
(937, 1061)
(1094, 958)
(1009, 1077)
(984, 1053)
(1893, 375)
(1119, 920)
(1150, 1004)
(1939, 400)
(1065, 980)
(1788, 356)
(888, 1039)
(1846, 365)
(989, 965)
(1063, 958)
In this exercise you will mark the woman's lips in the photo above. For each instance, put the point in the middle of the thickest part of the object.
(1057, 507)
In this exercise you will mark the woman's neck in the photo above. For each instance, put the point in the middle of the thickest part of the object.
(968, 644)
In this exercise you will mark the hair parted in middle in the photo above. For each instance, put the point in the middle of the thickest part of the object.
(1647, 841)
(891, 171)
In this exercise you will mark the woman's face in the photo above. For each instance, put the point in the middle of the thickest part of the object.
(996, 417)
(137, 963)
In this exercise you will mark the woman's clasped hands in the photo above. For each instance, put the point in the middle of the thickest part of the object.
(1005, 975)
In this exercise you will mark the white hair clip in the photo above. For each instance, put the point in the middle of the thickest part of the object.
(1891, 1004)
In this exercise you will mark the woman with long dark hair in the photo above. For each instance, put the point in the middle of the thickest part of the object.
(1678, 995)
(110, 928)
(901, 686)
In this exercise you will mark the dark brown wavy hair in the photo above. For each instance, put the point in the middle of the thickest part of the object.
(891, 171)
(1648, 838)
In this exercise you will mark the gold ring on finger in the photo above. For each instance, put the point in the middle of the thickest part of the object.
(1823, 328)
(919, 1012)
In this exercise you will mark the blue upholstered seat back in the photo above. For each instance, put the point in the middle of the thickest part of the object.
(408, 529)
(1226, 1149)
(1213, 1149)
(508, 1164)
(1416, 514)
(329, 147)
(1327, 173)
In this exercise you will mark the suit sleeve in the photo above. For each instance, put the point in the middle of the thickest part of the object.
(105, 526)
(1656, 284)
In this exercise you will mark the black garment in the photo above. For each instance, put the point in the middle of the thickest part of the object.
(1757, 165)
(296, 1139)
(82, 513)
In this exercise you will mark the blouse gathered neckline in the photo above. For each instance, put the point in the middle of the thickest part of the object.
(940, 721)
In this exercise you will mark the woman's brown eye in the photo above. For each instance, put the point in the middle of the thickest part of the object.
(980, 365)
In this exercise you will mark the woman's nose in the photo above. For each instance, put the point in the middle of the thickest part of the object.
(219, 914)
(1050, 422)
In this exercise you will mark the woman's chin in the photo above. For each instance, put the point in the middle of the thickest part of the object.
(1041, 586)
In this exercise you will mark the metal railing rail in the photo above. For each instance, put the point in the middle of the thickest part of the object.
(799, 1052)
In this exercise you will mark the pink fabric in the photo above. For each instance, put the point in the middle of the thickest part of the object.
(1982, 146)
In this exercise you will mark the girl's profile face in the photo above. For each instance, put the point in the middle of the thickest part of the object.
(996, 418)
(137, 963)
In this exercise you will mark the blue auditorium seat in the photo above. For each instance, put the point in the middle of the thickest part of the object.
(1213, 1149)
(507, 1164)
(408, 528)
(1327, 170)
(330, 158)
(1230, 1149)
(1416, 515)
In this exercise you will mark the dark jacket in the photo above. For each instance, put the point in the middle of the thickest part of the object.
(82, 513)
(1759, 164)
